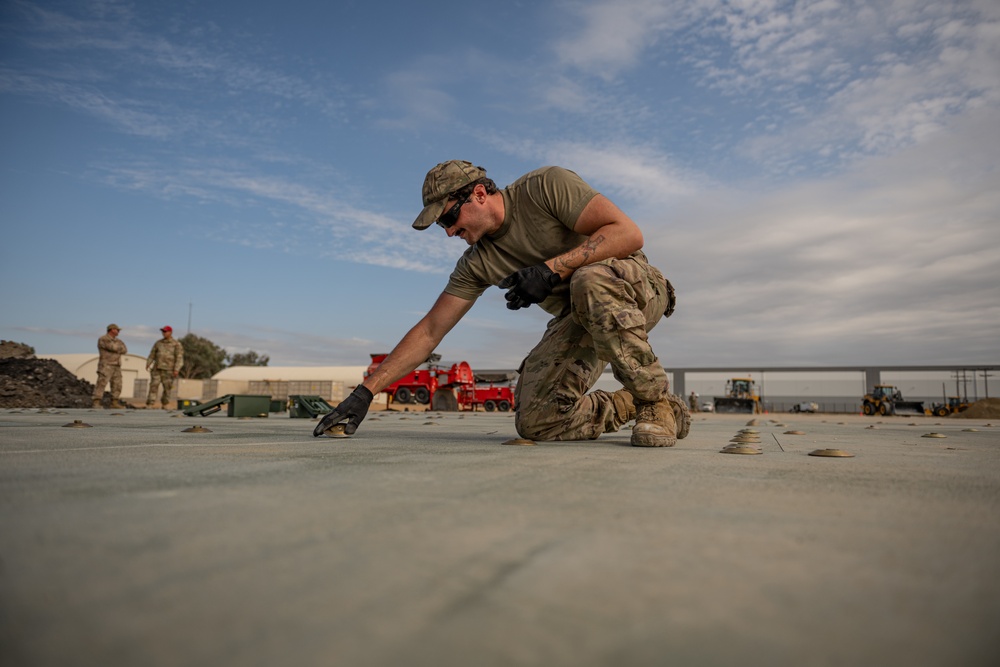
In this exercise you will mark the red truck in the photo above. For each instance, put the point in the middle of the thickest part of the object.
(415, 387)
(489, 396)
(457, 384)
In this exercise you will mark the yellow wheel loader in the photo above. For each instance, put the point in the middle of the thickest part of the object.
(885, 399)
(954, 405)
(741, 397)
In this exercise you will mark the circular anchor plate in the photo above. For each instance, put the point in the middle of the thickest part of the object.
(740, 449)
(832, 453)
(336, 431)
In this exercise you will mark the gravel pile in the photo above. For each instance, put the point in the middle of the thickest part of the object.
(11, 350)
(27, 382)
(988, 408)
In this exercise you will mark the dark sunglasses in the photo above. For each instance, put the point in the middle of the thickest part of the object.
(450, 217)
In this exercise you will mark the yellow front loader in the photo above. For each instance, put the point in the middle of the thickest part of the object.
(741, 397)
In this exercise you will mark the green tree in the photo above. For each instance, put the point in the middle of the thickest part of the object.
(249, 358)
(202, 358)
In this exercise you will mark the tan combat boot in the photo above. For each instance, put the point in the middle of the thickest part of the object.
(116, 404)
(97, 404)
(166, 406)
(662, 423)
(654, 425)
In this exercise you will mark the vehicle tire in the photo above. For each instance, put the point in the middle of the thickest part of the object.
(868, 409)
(504, 406)
(884, 409)
(941, 412)
(489, 406)
(795, 408)
(403, 395)
(422, 396)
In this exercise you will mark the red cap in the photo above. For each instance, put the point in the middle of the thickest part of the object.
(166, 328)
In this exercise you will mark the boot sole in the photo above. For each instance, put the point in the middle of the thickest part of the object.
(652, 440)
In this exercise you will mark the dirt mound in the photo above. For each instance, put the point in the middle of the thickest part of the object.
(11, 350)
(41, 383)
(988, 408)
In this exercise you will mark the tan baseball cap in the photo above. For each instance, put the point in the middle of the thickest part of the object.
(114, 326)
(440, 182)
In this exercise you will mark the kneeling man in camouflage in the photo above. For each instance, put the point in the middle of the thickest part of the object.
(552, 240)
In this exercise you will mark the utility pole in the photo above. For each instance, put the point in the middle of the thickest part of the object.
(986, 381)
(959, 378)
(189, 316)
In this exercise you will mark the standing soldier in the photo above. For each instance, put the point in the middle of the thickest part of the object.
(109, 366)
(164, 364)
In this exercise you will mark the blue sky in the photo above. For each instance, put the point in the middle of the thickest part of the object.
(819, 179)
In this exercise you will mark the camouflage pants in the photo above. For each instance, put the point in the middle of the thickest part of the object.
(613, 305)
(156, 378)
(106, 373)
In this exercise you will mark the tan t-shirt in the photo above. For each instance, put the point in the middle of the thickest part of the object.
(540, 211)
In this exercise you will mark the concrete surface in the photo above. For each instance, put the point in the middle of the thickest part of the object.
(423, 540)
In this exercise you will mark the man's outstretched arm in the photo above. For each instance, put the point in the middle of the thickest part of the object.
(418, 344)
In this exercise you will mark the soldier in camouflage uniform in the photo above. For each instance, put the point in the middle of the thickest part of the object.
(164, 364)
(549, 239)
(109, 366)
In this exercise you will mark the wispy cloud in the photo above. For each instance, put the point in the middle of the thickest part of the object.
(878, 261)
(612, 35)
(125, 114)
(291, 216)
(832, 80)
(103, 47)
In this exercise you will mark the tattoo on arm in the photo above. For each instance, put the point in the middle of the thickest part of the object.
(579, 256)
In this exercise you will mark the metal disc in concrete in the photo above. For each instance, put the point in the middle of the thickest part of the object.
(740, 449)
(933, 435)
(336, 431)
(196, 429)
(832, 453)
(77, 423)
(523, 442)
(795, 432)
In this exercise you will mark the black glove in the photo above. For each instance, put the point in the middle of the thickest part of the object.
(353, 409)
(529, 285)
